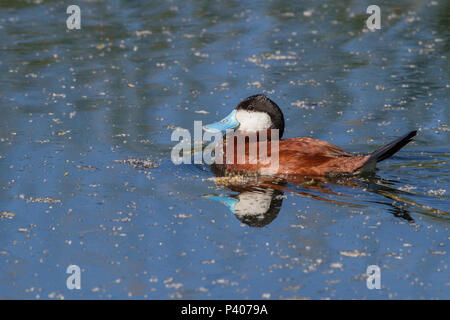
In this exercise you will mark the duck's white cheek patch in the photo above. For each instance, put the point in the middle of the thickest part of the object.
(253, 121)
(253, 203)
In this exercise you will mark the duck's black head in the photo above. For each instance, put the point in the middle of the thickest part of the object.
(253, 114)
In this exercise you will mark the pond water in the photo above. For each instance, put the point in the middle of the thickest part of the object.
(86, 176)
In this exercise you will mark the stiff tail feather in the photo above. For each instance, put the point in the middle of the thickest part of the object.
(388, 150)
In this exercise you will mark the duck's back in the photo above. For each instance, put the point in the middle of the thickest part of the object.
(313, 157)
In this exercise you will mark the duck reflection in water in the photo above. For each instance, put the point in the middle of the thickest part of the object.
(254, 206)
(258, 201)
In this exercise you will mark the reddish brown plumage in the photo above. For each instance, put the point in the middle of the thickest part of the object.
(297, 156)
(313, 157)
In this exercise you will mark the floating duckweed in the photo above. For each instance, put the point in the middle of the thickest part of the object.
(141, 164)
(7, 215)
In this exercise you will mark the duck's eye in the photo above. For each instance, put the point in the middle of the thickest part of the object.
(224, 120)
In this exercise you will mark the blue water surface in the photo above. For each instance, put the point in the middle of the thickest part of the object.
(86, 176)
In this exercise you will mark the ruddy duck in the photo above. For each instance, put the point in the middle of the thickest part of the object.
(301, 156)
